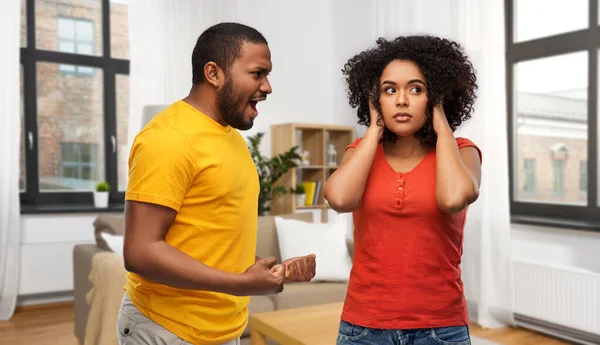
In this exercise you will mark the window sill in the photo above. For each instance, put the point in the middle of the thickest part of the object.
(70, 208)
(561, 223)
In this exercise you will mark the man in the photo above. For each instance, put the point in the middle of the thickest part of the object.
(192, 203)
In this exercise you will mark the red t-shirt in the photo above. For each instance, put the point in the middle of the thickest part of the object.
(406, 272)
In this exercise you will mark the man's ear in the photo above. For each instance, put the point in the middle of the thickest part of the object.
(214, 74)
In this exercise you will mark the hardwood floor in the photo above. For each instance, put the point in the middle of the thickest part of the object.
(52, 325)
(47, 325)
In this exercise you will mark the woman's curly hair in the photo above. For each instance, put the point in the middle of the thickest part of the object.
(449, 77)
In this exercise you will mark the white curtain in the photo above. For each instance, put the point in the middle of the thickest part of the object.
(9, 156)
(479, 27)
(163, 34)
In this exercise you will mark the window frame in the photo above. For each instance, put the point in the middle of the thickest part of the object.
(587, 40)
(32, 200)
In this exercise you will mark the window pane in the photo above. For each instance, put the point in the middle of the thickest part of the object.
(23, 23)
(542, 18)
(75, 21)
(122, 85)
(22, 170)
(85, 48)
(81, 70)
(67, 68)
(119, 29)
(583, 179)
(85, 31)
(551, 128)
(529, 176)
(70, 129)
(66, 28)
(66, 46)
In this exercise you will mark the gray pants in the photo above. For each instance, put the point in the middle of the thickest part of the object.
(134, 328)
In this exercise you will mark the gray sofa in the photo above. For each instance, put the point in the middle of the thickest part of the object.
(294, 295)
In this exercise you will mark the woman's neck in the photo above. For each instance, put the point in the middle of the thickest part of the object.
(405, 147)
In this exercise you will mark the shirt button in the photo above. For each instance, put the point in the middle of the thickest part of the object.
(399, 188)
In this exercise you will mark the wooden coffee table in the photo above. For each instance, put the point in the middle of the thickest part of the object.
(316, 325)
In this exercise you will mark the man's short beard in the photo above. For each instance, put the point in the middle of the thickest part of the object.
(228, 103)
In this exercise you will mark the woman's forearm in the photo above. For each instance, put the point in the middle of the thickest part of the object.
(345, 187)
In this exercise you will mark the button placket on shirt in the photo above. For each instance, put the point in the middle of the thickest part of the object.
(400, 187)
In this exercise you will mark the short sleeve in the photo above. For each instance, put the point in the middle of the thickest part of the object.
(464, 142)
(161, 167)
(353, 145)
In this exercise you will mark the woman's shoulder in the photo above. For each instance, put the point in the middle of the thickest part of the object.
(463, 142)
(353, 144)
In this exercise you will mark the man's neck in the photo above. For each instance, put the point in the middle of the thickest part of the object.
(205, 101)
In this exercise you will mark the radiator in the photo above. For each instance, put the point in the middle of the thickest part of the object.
(549, 296)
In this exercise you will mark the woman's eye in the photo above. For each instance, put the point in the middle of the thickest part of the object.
(390, 90)
(416, 89)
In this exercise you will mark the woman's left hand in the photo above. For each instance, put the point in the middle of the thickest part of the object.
(440, 123)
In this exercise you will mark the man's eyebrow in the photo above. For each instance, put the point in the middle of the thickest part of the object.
(261, 69)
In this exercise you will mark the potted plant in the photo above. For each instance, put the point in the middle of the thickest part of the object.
(300, 195)
(101, 194)
(269, 171)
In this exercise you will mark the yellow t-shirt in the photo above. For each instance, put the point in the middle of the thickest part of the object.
(186, 161)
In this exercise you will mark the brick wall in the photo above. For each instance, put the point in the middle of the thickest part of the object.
(538, 148)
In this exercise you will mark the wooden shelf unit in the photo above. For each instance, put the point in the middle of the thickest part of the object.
(315, 138)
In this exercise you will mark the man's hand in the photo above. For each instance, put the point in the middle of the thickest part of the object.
(300, 268)
(263, 278)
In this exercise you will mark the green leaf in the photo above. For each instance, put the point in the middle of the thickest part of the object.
(270, 170)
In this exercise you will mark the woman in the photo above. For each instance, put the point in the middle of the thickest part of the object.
(409, 183)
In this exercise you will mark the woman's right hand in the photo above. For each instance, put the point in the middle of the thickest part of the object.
(377, 124)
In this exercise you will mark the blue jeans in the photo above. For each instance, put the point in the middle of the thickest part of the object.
(350, 334)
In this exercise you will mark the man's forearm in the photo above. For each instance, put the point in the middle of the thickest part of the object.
(164, 264)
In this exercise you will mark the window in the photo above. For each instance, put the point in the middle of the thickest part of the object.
(558, 181)
(583, 179)
(75, 36)
(74, 72)
(552, 91)
(529, 172)
(78, 165)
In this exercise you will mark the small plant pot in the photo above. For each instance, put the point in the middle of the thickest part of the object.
(101, 199)
(300, 199)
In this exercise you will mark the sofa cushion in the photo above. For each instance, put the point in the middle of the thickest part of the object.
(298, 295)
(258, 304)
(326, 240)
(266, 241)
(109, 224)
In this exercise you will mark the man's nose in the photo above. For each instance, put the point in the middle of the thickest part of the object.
(266, 87)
